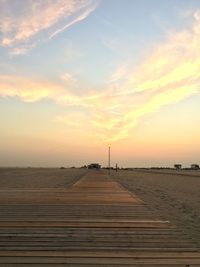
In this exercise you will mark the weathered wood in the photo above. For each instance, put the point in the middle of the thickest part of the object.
(128, 261)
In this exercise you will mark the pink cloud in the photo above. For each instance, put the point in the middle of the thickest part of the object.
(26, 21)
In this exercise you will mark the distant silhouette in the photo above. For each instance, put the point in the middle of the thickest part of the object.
(94, 166)
(178, 166)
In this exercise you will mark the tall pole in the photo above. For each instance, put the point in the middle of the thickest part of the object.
(109, 160)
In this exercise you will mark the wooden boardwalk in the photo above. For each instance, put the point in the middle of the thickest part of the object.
(95, 222)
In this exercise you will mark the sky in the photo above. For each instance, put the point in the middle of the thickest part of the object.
(78, 76)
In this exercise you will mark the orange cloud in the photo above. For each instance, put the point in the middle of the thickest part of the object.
(31, 90)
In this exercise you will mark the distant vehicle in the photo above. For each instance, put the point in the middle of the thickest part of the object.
(94, 166)
(178, 166)
(194, 166)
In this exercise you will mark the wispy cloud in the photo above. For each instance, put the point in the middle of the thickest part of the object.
(28, 89)
(80, 17)
(23, 23)
(168, 75)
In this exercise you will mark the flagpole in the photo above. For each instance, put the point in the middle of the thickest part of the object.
(109, 160)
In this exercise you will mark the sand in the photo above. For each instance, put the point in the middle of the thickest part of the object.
(38, 178)
(175, 195)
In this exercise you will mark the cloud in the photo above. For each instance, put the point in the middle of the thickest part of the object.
(80, 17)
(20, 50)
(30, 89)
(119, 74)
(27, 89)
(67, 77)
(169, 74)
(23, 23)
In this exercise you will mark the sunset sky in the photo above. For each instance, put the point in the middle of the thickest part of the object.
(79, 75)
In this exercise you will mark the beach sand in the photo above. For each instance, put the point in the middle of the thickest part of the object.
(175, 195)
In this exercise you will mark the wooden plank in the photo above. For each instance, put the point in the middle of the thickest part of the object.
(98, 265)
(101, 260)
(109, 253)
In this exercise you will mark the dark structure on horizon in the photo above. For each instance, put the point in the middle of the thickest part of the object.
(194, 166)
(178, 166)
(94, 166)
